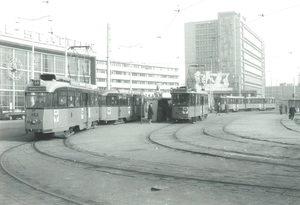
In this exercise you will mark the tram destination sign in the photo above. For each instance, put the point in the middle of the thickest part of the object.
(36, 88)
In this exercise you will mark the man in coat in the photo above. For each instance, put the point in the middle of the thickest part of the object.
(292, 112)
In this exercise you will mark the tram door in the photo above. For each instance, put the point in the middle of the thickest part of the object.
(85, 110)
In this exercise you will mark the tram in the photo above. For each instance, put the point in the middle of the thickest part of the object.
(119, 106)
(188, 104)
(238, 103)
(56, 104)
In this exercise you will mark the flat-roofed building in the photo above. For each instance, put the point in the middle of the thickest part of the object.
(137, 77)
(224, 55)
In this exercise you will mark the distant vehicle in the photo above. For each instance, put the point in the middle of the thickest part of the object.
(4, 116)
(238, 103)
(16, 114)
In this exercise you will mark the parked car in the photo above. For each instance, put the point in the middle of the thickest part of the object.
(4, 116)
(16, 114)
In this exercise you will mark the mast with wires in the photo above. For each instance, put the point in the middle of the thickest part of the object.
(84, 49)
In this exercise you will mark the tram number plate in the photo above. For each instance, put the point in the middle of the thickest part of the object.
(34, 114)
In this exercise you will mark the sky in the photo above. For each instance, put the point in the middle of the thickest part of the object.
(152, 32)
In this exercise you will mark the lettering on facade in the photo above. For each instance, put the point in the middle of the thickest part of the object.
(42, 38)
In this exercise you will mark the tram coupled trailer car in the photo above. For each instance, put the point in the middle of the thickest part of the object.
(59, 105)
(120, 106)
(269, 103)
(234, 103)
(187, 104)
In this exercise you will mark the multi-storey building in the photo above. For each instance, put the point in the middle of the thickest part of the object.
(224, 55)
(283, 92)
(137, 77)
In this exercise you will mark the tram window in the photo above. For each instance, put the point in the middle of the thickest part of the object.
(62, 101)
(92, 99)
(124, 101)
(96, 99)
(71, 99)
(137, 101)
(112, 100)
(102, 100)
(77, 99)
(84, 99)
(38, 100)
(192, 96)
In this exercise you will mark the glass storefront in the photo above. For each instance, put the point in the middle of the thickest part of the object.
(15, 72)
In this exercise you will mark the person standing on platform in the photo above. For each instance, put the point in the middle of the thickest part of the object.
(150, 113)
(292, 112)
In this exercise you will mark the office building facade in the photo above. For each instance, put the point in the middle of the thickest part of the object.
(137, 77)
(224, 55)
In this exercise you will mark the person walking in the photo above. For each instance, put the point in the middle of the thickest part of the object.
(292, 112)
(150, 113)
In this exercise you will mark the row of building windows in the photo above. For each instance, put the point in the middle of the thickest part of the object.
(206, 48)
(145, 67)
(206, 31)
(154, 83)
(206, 25)
(200, 37)
(206, 43)
(138, 74)
(138, 82)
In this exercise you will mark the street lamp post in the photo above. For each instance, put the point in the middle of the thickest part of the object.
(33, 34)
(130, 66)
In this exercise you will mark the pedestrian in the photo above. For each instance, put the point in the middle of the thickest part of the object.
(169, 113)
(292, 112)
(226, 108)
(160, 114)
(150, 113)
(285, 107)
(218, 108)
(1, 109)
(280, 109)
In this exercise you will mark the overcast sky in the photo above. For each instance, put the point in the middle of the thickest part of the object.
(135, 22)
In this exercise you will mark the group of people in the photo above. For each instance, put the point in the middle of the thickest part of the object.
(218, 108)
(164, 113)
(292, 111)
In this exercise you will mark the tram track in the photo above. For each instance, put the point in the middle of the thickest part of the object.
(205, 150)
(92, 161)
(32, 185)
(209, 154)
(134, 170)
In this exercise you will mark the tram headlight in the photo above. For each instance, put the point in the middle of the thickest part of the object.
(34, 121)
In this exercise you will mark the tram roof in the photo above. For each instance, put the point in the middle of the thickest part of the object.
(121, 92)
(187, 90)
(51, 85)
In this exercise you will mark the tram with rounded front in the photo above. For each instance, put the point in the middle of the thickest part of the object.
(187, 104)
(56, 104)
